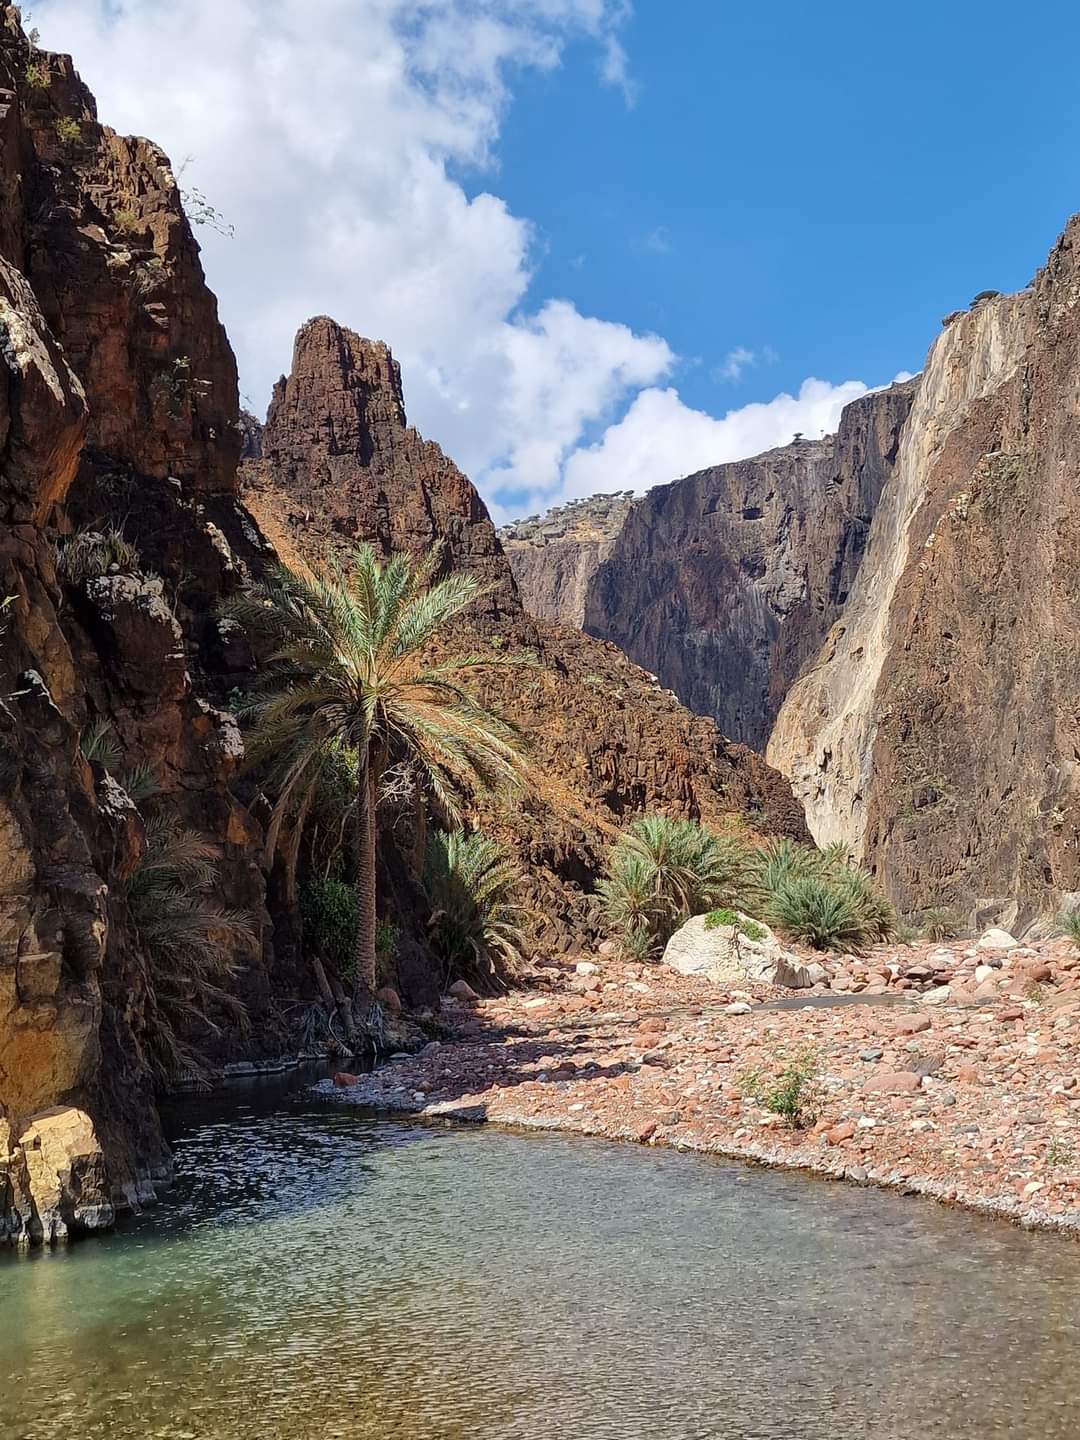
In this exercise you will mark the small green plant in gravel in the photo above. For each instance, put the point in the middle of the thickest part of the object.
(791, 1092)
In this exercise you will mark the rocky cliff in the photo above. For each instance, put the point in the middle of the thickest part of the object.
(726, 582)
(119, 528)
(607, 740)
(554, 556)
(938, 730)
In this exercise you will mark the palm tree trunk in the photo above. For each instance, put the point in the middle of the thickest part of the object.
(419, 830)
(364, 979)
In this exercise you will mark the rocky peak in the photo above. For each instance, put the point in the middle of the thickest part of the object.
(340, 463)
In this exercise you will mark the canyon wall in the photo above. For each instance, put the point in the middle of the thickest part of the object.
(555, 556)
(724, 583)
(938, 730)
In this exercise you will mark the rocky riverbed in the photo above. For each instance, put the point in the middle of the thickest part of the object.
(946, 1070)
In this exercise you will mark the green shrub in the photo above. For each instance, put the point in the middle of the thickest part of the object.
(662, 871)
(939, 925)
(89, 554)
(37, 75)
(68, 130)
(792, 1093)
(328, 910)
(750, 928)
(476, 926)
(126, 220)
(817, 896)
(1070, 925)
(812, 909)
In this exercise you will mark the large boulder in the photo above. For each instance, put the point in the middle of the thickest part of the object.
(53, 1179)
(728, 955)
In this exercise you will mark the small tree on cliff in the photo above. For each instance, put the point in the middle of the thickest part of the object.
(349, 667)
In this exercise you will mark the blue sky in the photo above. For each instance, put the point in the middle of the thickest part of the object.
(825, 180)
(610, 243)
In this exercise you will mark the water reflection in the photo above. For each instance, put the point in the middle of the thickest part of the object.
(322, 1273)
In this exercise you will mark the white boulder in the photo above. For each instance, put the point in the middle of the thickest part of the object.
(996, 940)
(728, 955)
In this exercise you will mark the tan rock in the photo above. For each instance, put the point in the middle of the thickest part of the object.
(66, 1182)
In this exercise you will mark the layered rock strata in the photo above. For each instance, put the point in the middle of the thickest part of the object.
(555, 556)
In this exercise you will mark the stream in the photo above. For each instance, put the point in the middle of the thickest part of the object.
(321, 1272)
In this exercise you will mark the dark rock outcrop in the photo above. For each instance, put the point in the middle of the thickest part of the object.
(119, 407)
(725, 583)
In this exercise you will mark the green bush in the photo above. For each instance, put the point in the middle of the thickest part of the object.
(126, 220)
(817, 896)
(1070, 926)
(716, 918)
(68, 130)
(811, 908)
(939, 925)
(328, 910)
(662, 871)
(792, 1093)
(476, 926)
(89, 554)
(37, 75)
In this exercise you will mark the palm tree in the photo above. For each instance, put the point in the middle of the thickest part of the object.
(349, 668)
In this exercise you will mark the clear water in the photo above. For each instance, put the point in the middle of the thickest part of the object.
(320, 1273)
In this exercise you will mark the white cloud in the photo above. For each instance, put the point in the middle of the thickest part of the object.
(735, 362)
(660, 439)
(332, 135)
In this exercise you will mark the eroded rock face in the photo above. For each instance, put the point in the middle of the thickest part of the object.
(117, 403)
(725, 583)
(937, 732)
(56, 1179)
